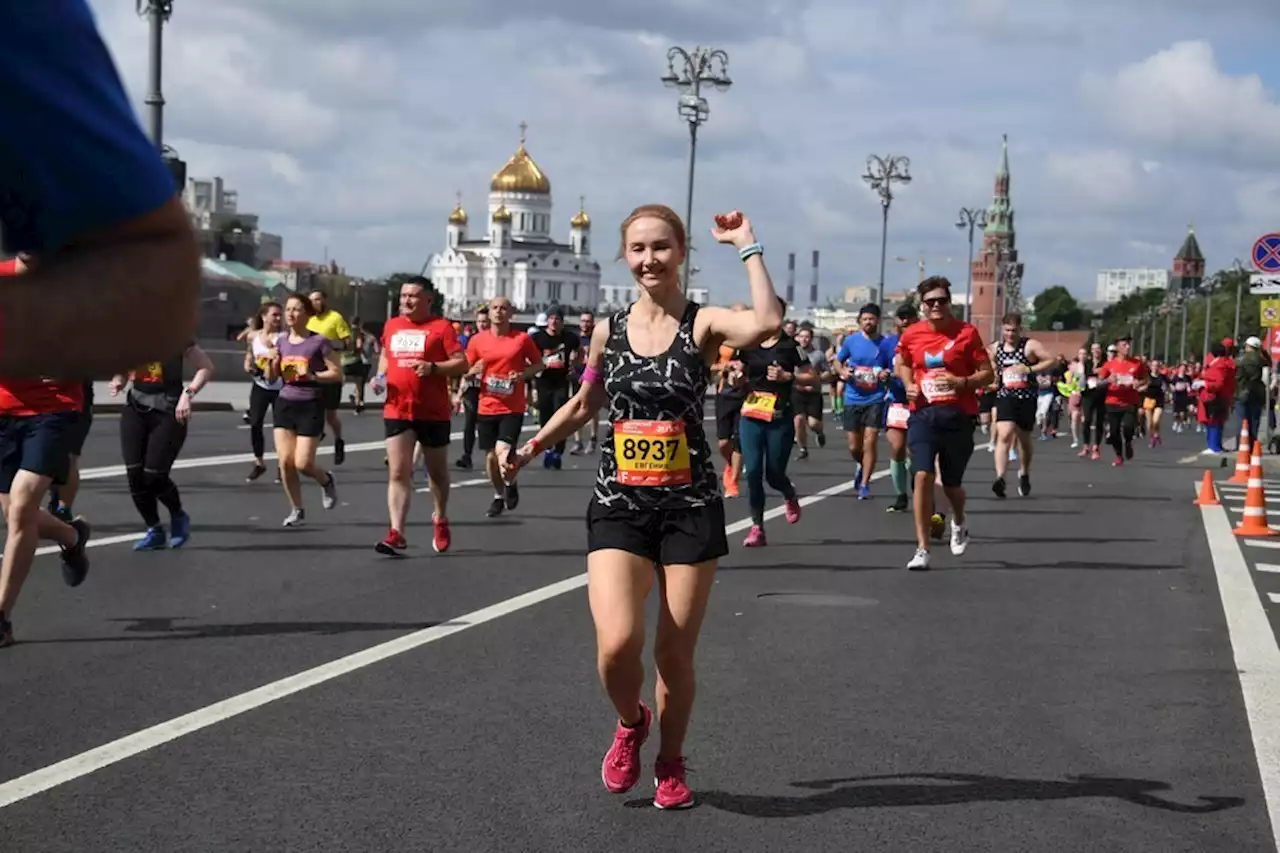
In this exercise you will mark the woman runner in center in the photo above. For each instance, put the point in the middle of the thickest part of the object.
(657, 509)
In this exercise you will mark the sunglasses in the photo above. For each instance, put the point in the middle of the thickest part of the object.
(936, 301)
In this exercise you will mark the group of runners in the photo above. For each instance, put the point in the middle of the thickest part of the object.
(657, 509)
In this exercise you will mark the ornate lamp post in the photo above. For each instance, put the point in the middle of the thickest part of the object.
(1241, 278)
(687, 72)
(882, 173)
(970, 217)
(157, 13)
(1210, 285)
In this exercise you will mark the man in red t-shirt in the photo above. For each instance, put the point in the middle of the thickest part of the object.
(503, 360)
(420, 352)
(1126, 378)
(38, 418)
(944, 366)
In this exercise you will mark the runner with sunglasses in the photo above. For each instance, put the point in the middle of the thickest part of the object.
(943, 364)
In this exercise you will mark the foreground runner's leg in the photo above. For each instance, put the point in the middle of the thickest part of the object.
(32, 456)
(898, 470)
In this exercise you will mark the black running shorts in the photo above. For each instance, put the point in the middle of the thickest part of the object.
(672, 537)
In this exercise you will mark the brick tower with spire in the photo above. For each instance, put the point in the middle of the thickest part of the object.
(999, 243)
(1188, 265)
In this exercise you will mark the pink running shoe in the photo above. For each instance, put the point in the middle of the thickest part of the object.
(793, 510)
(1119, 461)
(755, 538)
(620, 770)
(1095, 455)
(672, 791)
(1083, 453)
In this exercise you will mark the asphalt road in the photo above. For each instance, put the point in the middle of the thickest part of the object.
(1068, 685)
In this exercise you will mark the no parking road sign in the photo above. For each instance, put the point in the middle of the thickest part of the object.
(1266, 253)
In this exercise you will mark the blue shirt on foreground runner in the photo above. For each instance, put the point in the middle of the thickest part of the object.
(867, 358)
(72, 156)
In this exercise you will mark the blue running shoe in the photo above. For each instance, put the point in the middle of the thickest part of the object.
(181, 530)
(153, 540)
(864, 492)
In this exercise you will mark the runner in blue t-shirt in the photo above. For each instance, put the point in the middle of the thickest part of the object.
(897, 413)
(865, 367)
(83, 189)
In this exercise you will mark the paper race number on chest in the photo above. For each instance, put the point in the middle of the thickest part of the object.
(503, 386)
(409, 344)
(936, 387)
(760, 406)
(652, 453)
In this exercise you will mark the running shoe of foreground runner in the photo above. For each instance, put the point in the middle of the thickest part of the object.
(943, 364)
(657, 508)
(420, 353)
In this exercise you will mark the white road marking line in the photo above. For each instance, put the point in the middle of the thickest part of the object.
(69, 769)
(1267, 567)
(1274, 596)
(1262, 543)
(1257, 657)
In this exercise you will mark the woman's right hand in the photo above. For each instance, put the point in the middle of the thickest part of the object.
(509, 464)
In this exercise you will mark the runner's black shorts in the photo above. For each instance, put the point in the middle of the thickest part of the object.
(1022, 413)
(490, 429)
(80, 432)
(670, 537)
(944, 434)
(807, 403)
(859, 416)
(331, 395)
(35, 443)
(728, 408)
(304, 418)
(430, 434)
(987, 402)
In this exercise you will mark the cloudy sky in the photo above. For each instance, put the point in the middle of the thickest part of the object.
(348, 126)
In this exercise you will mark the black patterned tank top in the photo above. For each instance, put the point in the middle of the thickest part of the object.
(1014, 383)
(655, 453)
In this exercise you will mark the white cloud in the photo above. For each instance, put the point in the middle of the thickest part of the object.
(1180, 99)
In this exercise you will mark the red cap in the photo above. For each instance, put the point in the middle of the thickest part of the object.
(1228, 342)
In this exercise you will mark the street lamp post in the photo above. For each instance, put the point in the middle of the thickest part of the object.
(1209, 285)
(687, 72)
(1182, 344)
(882, 173)
(1168, 327)
(157, 13)
(970, 217)
(1238, 266)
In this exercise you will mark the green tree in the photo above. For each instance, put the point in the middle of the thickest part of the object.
(1057, 305)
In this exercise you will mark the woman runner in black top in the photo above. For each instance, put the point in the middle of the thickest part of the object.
(657, 507)
(153, 428)
(766, 427)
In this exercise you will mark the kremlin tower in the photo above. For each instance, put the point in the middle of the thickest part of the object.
(999, 244)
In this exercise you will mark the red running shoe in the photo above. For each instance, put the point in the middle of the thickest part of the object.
(620, 770)
(394, 545)
(672, 790)
(442, 538)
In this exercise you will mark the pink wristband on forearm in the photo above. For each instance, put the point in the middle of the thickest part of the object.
(590, 375)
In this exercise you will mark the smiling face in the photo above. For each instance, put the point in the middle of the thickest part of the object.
(296, 314)
(653, 253)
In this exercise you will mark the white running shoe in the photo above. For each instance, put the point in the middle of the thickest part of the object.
(920, 561)
(295, 518)
(959, 538)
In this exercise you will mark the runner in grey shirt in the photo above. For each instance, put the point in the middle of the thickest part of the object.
(806, 396)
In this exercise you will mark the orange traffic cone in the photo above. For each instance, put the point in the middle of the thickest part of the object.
(1208, 494)
(1242, 456)
(1254, 522)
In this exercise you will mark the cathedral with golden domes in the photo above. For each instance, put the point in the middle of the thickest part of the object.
(514, 254)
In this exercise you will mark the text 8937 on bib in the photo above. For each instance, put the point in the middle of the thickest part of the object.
(652, 453)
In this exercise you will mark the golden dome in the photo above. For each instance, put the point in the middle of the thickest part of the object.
(459, 216)
(502, 214)
(580, 219)
(521, 174)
